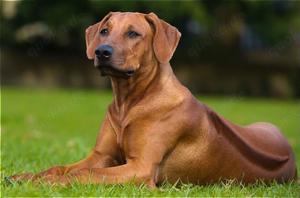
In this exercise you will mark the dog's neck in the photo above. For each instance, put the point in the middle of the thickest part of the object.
(128, 92)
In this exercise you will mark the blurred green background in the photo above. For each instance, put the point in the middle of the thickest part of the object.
(244, 48)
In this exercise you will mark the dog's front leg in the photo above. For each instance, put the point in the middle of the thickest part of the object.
(103, 155)
(136, 172)
(142, 166)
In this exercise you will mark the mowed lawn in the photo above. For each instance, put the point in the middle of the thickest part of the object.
(41, 128)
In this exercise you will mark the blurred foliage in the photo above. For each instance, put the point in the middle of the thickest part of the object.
(249, 46)
(266, 21)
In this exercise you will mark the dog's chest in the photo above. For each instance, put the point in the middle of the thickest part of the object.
(122, 132)
(131, 136)
(131, 141)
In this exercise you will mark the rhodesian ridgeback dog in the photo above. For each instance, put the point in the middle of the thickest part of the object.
(155, 130)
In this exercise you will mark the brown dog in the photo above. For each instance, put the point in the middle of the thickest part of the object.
(155, 130)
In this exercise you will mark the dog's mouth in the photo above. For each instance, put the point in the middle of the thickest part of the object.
(106, 68)
(109, 70)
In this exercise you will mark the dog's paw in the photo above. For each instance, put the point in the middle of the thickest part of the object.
(18, 178)
(56, 170)
(53, 180)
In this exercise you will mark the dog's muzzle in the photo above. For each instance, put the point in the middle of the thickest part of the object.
(102, 61)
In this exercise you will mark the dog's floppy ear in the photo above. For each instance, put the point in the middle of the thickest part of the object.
(166, 38)
(92, 37)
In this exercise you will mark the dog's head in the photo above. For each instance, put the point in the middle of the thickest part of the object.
(122, 43)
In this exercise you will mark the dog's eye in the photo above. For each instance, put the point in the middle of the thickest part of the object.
(133, 34)
(104, 32)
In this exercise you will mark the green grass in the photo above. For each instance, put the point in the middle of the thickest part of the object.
(42, 128)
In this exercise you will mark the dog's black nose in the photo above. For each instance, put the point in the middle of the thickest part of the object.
(104, 52)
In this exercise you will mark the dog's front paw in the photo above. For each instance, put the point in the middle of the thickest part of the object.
(19, 178)
(53, 180)
(56, 170)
